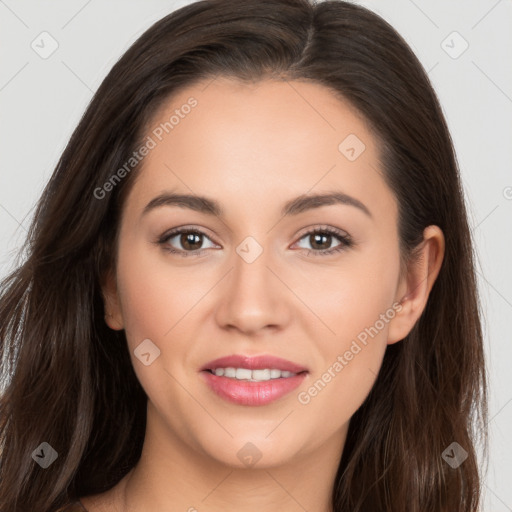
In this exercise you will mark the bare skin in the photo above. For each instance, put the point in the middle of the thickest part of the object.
(252, 148)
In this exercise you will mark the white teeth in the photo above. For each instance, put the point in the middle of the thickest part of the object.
(260, 375)
(230, 372)
(243, 373)
(252, 375)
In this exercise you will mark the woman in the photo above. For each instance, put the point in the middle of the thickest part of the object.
(172, 344)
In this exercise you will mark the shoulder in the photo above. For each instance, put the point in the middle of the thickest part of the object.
(73, 507)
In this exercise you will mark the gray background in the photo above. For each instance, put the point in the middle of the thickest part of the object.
(42, 100)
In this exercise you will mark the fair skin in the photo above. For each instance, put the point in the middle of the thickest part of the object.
(252, 148)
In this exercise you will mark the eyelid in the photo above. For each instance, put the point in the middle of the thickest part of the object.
(186, 228)
(323, 227)
(346, 241)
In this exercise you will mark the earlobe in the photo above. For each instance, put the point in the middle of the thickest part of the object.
(113, 315)
(414, 289)
(113, 322)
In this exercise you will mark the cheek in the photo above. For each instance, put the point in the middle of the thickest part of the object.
(157, 303)
(153, 297)
(356, 303)
(349, 296)
(348, 364)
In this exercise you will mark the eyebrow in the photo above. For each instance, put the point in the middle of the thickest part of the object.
(292, 207)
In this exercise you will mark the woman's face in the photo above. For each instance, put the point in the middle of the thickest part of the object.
(256, 280)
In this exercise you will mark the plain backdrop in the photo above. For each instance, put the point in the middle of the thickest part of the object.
(466, 47)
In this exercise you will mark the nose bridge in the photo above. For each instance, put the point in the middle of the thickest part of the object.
(251, 264)
(253, 296)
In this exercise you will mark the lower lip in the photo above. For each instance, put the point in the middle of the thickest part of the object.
(252, 393)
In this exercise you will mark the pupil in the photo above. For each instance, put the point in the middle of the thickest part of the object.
(187, 240)
(324, 237)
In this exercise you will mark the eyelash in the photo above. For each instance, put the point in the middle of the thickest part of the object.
(346, 241)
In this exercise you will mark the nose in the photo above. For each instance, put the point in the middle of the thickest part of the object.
(254, 297)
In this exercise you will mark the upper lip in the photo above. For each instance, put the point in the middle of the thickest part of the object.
(254, 363)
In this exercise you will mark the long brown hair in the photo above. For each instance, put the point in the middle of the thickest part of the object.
(69, 381)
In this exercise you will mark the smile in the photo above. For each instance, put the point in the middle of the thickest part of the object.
(252, 380)
(252, 375)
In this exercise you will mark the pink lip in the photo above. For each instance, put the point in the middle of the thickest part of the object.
(252, 393)
(254, 363)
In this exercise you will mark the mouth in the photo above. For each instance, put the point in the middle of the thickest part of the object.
(260, 375)
(263, 362)
(252, 381)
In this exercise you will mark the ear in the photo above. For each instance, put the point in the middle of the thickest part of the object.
(113, 314)
(415, 286)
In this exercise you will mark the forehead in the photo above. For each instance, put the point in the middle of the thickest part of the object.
(260, 142)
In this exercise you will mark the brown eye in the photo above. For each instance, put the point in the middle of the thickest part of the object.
(183, 241)
(190, 240)
(321, 239)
